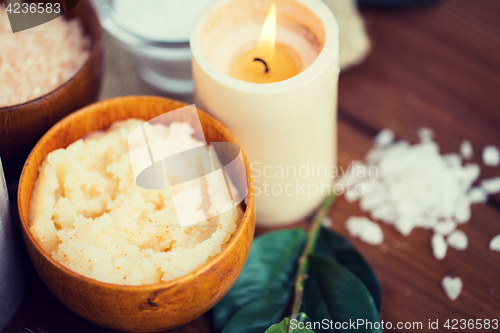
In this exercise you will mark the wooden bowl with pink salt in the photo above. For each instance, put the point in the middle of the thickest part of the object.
(46, 72)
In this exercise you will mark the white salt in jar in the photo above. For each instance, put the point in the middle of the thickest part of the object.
(157, 33)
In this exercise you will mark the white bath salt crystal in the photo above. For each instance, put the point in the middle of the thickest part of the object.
(445, 227)
(452, 160)
(495, 243)
(491, 156)
(469, 174)
(385, 213)
(351, 195)
(425, 223)
(365, 229)
(327, 222)
(384, 137)
(352, 175)
(414, 186)
(478, 195)
(492, 185)
(466, 149)
(425, 134)
(370, 202)
(404, 225)
(439, 246)
(452, 287)
(458, 240)
(462, 211)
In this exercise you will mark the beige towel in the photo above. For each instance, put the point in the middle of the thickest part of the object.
(354, 42)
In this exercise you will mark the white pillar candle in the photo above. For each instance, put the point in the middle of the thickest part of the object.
(286, 128)
(11, 270)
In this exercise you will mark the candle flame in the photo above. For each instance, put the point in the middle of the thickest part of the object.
(267, 39)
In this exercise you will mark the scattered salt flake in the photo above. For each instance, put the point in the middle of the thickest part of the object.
(462, 210)
(384, 137)
(439, 246)
(414, 186)
(452, 287)
(408, 294)
(491, 156)
(495, 243)
(327, 222)
(469, 174)
(492, 185)
(404, 225)
(365, 229)
(458, 240)
(478, 195)
(466, 149)
(425, 134)
(452, 160)
(445, 227)
(351, 195)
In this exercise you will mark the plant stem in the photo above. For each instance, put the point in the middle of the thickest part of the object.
(312, 237)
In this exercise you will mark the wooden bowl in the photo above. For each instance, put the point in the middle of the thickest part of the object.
(134, 308)
(23, 124)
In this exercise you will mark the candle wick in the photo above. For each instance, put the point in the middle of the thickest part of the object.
(262, 61)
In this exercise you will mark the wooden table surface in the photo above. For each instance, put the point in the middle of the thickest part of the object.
(436, 66)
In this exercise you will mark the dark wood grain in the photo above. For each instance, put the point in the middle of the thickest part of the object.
(435, 66)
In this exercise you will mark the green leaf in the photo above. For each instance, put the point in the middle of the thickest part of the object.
(332, 292)
(271, 267)
(259, 314)
(283, 326)
(337, 248)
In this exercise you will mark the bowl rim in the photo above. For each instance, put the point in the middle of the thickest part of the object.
(24, 218)
(95, 49)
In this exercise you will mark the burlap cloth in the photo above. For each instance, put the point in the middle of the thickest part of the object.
(121, 78)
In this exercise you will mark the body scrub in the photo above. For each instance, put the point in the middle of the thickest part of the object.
(89, 214)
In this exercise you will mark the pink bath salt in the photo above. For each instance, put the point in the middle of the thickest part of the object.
(39, 60)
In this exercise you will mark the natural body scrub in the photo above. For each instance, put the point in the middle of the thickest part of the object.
(39, 60)
(89, 214)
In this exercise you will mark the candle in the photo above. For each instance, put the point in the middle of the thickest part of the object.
(284, 118)
(269, 61)
(11, 270)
